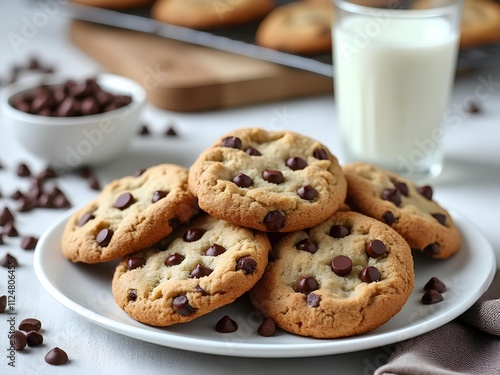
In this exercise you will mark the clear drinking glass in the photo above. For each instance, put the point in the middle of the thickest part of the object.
(394, 71)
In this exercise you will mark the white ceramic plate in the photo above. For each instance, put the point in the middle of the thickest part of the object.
(86, 290)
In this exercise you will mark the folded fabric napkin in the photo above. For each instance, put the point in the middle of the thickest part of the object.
(468, 345)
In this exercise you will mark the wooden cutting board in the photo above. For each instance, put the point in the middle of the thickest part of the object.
(184, 77)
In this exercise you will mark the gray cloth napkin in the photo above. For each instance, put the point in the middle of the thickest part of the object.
(468, 345)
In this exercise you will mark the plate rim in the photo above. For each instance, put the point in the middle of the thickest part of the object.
(262, 350)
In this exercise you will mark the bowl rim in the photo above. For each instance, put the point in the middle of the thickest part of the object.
(106, 80)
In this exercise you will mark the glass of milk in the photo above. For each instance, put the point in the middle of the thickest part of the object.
(394, 71)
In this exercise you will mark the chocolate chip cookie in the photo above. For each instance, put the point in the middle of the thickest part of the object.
(269, 181)
(407, 208)
(346, 276)
(129, 214)
(200, 267)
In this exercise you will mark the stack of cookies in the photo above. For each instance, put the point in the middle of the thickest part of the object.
(194, 240)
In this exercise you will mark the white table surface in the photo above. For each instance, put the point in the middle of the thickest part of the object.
(470, 184)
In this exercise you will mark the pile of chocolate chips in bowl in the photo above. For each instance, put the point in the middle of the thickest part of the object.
(69, 99)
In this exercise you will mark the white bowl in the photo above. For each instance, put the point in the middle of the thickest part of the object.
(69, 142)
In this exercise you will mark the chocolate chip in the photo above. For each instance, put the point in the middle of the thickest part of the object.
(194, 234)
(369, 274)
(231, 142)
(104, 237)
(48, 173)
(16, 195)
(441, 218)
(252, 151)
(426, 191)
(320, 153)
(432, 249)
(28, 243)
(473, 106)
(199, 289)
(132, 295)
(242, 180)
(181, 306)
(1, 239)
(274, 220)
(86, 217)
(144, 130)
(56, 357)
(435, 284)
(170, 132)
(307, 245)
(3, 303)
(307, 192)
(139, 172)
(388, 217)
(85, 171)
(157, 195)
(215, 250)
(375, 249)
(124, 201)
(10, 230)
(247, 264)
(34, 338)
(18, 340)
(267, 328)
(6, 216)
(295, 163)
(392, 195)
(341, 265)
(8, 261)
(135, 262)
(273, 176)
(226, 325)
(402, 187)
(200, 271)
(30, 324)
(174, 259)
(307, 284)
(93, 183)
(60, 201)
(25, 205)
(23, 170)
(339, 231)
(431, 296)
(313, 300)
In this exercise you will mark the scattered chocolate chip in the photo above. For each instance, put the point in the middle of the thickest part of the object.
(139, 172)
(124, 201)
(267, 328)
(247, 264)
(313, 300)
(6, 216)
(85, 171)
(86, 217)
(174, 259)
(388, 217)
(307, 192)
(252, 151)
(369, 274)
(181, 305)
(170, 132)
(215, 250)
(341, 265)
(435, 284)
(60, 201)
(307, 245)
(194, 234)
(104, 237)
(1, 239)
(426, 191)
(295, 163)
(56, 357)
(242, 180)
(25, 205)
(200, 271)
(30, 324)
(320, 153)
(48, 173)
(34, 338)
(3, 303)
(23, 170)
(10, 230)
(93, 183)
(307, 284)
(144, 130)
(402, 187)
(16, 195)
(274, 220)
(392, 195)
(431, 296)
(18, 340)
(275, 177)
(226, 325)
(28, 243)
(432, 249)
(157, 195)
(441, 218)
(375, 249)
(339, 231)
(473, 107)
(132, 295)
(8, 261)
(135, 262)
(231, 142)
